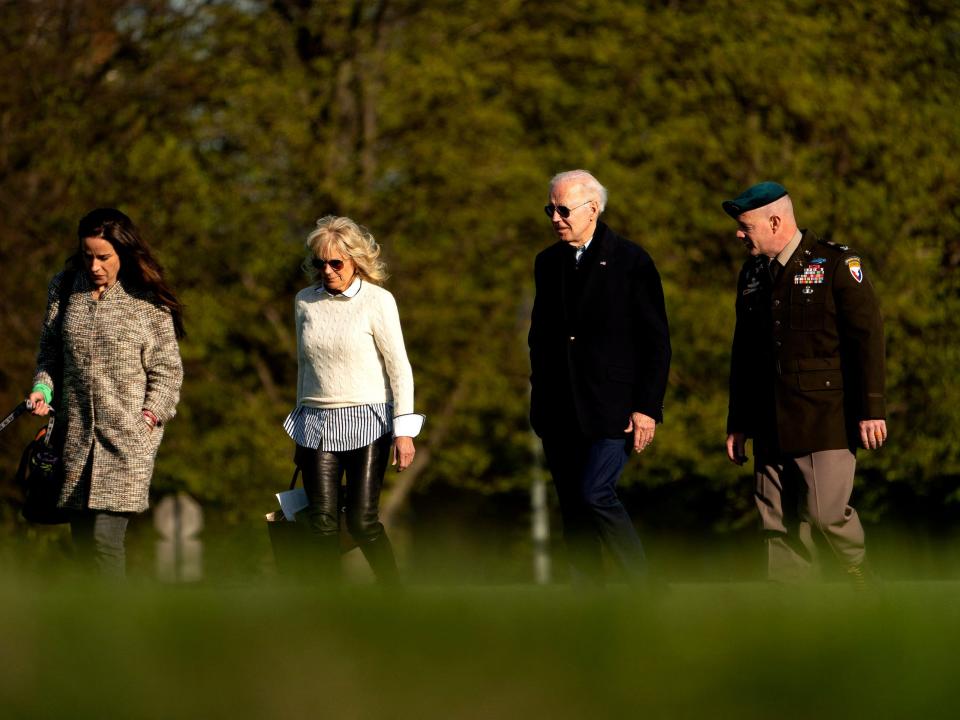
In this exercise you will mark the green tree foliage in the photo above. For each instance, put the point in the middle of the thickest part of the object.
(226, 128)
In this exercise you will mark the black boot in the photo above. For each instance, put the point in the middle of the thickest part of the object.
(379, 554)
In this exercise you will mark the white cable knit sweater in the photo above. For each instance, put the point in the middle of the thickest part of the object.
(350, 350)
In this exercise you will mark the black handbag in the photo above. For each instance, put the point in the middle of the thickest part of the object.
(289, 539)
(40, 476)
(292, 542)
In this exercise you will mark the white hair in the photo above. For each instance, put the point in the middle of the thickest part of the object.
(581, 178)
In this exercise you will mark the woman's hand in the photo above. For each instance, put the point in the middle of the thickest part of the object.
(40, 406)
(150, 418)
(403, 452)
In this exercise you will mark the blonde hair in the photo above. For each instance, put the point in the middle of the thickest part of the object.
(352, 240)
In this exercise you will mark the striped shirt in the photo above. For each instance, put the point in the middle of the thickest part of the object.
(339, 429)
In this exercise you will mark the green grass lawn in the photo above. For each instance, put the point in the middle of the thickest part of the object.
(232, 650)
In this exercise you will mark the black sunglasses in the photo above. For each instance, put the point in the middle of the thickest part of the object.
(562, 210)
(320, 264)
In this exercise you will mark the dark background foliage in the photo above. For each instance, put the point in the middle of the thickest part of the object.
(226, 128)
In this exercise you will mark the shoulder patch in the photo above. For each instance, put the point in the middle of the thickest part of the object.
(853, 264)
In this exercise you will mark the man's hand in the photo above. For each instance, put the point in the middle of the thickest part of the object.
(737, 448)
(873, 433)
(643, 428)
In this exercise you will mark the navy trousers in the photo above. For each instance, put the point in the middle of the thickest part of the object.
(585, 472)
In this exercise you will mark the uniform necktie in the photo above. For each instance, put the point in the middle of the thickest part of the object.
(775, 270)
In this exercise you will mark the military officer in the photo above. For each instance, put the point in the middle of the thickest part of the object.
(806, 382)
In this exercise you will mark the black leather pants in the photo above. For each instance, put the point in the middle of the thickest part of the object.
(360, 496)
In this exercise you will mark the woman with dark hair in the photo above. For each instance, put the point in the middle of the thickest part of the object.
(109, 363)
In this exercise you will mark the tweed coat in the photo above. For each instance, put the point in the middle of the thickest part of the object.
(119, 356)
(808, 351)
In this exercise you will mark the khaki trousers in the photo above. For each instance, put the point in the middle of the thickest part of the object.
(797, 496)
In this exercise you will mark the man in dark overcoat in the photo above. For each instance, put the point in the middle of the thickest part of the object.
(600, 355)
(806, 382)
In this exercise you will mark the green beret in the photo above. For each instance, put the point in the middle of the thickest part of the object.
(755, 197)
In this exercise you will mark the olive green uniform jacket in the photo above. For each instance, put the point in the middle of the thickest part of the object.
(808, 352)
(119, 355)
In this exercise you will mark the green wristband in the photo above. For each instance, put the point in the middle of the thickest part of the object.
(45, 389)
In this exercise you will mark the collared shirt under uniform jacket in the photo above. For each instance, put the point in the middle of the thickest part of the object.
(808, 351)
(599, 339)
(120, 356)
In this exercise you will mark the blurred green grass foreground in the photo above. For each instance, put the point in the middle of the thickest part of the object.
(77, 649)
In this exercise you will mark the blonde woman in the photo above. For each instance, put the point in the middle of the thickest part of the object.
(354, 393)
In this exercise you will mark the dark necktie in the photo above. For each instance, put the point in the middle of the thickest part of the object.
(775, 270)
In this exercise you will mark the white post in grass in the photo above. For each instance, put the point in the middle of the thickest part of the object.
(179, 519)
(539, 515)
